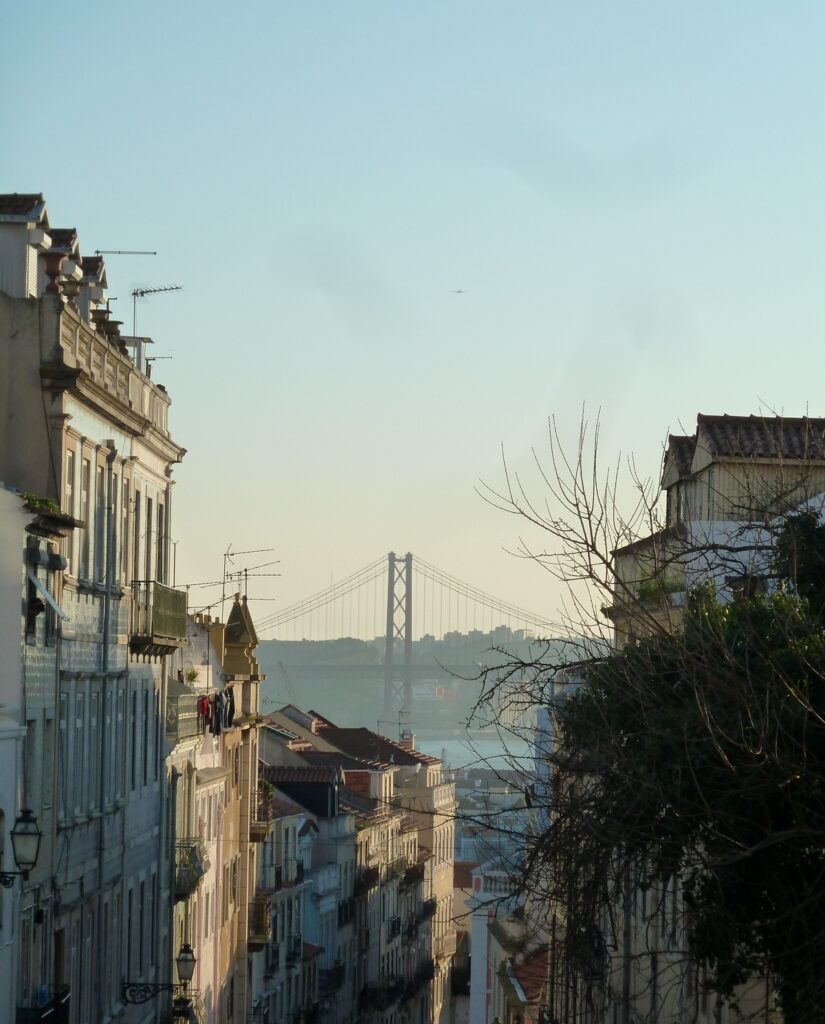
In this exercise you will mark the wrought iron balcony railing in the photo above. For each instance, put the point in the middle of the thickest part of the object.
(428, 909)
(191, 864)
(260, 923)
(54, 1008)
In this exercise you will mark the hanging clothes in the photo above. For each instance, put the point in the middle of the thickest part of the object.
(230, 706)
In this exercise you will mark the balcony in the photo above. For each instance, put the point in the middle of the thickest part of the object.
(260, 923)
(333, 978)
(368, 878)
(54, 1008)
(191, 864)
(428, 910)
(410, 928)
(444, 945)
(381, 995)
(262, 816)
(413, 875)
(158, 623)
(182, 719)
(393, 928)
(396, 867)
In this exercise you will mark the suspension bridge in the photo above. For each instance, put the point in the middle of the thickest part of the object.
(403, 601)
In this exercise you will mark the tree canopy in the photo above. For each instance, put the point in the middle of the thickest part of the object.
(701, 753)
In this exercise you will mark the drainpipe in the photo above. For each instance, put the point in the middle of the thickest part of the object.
(104, 672)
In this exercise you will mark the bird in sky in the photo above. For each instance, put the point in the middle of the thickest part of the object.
(458, 291)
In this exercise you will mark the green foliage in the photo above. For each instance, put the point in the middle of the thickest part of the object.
(38, 504)
(705, 754)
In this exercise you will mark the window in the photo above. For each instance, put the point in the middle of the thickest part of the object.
(148, 575)
(161, 545)
(129, 926)
(115, 528)
(79, 753)
(94, 750)
(48, 761)
(145, 747)
(100, 524)
(136, 538)
(141, 928)
(133, 740)
(63, 775)
(120, 742)
(31, 788)
(85, 486)
(124, 533)
(68, 491)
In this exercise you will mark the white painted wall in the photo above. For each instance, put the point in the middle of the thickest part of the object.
(13, 519)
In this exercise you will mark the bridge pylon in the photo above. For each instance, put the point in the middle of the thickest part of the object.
(398, 669)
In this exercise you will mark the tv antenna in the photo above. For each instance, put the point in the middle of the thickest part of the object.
(124, 252)
(140, 293)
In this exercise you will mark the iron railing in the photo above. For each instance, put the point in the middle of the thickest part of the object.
(158, 614)
(191, 864)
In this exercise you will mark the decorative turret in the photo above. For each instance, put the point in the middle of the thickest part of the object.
(240, 641)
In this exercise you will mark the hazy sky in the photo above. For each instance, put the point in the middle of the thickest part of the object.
(629, 194)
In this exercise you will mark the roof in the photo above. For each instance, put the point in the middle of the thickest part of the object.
(345, 761)
(763, 437)
(239, 627)
(749, 437)
(463, 873)
(276, 773)
(680, 447)
(283, 807)
(19, 204)
(532, 975)
(63, 238)
(371, 746)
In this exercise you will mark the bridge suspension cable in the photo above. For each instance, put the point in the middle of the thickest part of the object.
(334, 592)
(457, 586)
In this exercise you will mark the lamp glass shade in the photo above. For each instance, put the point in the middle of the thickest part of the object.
(25, 840)
(185, 961)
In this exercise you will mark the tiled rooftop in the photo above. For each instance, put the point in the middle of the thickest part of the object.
(18, 203)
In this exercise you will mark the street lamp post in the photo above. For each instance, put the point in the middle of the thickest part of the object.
(25, 844)
(143, 991)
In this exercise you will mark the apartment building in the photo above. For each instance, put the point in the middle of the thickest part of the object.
(401, 863)
(287, 970)
(211, 728)
(85, 428)
(723, 487)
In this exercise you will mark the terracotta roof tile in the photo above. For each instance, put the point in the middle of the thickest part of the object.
(532, 975)
(342, 760)
(463, 873)
(369, 745)
(276, 773)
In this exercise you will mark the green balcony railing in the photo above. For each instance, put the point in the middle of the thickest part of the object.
(158, 624)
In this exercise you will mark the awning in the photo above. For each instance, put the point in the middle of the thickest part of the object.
(46, 595)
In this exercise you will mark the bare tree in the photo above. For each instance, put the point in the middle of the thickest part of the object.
(678, 802)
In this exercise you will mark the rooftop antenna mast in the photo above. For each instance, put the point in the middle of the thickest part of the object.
(140, 293)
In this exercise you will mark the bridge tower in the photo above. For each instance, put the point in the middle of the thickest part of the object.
(398, 672)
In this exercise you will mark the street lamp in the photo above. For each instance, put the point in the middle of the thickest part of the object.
(25, 845)
(143, 991)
